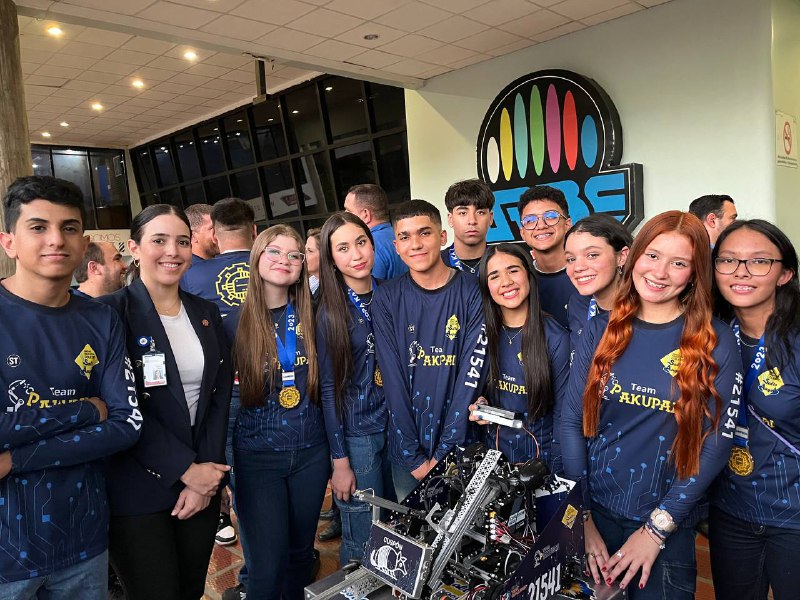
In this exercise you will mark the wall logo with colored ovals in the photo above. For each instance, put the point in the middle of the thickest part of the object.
(560, 129)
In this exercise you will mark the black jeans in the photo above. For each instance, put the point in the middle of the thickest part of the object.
(747, 559)
(159, 557)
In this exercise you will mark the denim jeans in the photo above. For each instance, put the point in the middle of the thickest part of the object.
(404, 482)
(232, 414)
(673, 574)
(278, 498)
(368, 461)
(87, 580)
(747, 559)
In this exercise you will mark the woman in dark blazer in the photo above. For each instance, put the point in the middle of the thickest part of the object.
(163, 492)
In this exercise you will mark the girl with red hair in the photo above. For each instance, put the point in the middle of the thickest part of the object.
(651, 412)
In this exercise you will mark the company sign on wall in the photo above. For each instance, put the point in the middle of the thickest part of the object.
(560, 129)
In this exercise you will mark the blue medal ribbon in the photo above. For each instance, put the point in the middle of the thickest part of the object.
(287, 352)
(742, 431)
(592, 309)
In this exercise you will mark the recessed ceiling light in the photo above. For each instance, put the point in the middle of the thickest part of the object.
(238, 120)
(55, 31)
(97, 106)
(163, 148)
(46, 134)
(371, 36)
(190, 55)
(137, 83)
(237, 133)
(270, 120)
(329, 88)
(64, 124)
(216, 128)
(295, 112)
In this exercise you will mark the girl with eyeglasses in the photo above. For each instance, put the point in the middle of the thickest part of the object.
(596, 248)
(279, 444)
(351, 384)
(519, 379)
(754, 518)
(646, 422)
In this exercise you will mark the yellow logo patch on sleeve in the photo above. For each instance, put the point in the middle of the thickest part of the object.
(87, 360)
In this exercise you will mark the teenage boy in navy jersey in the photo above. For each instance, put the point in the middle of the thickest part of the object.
(544, 221)
(469, 212)
(71, 401)
(223, 279)
(431, 347)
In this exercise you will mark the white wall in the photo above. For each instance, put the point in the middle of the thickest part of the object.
(786, 90)
(691, 81)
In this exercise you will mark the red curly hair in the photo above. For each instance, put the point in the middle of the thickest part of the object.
(697, 369)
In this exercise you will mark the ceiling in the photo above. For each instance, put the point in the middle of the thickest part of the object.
(106, 45)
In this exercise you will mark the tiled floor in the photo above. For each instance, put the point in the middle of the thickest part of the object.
(226, 562)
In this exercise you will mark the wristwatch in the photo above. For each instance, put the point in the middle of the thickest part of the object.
(661, 521)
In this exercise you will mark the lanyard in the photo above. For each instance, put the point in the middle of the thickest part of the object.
(592, 309)
(359, 304)
(742, 432)
(286, 353)
(454, 261)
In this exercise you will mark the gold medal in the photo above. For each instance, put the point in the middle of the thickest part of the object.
(289, 397)
(740, 461)
(378, 377)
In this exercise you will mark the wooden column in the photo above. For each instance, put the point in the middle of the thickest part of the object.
(15, 146)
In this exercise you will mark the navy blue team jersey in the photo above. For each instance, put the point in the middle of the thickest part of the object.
(578, 315)
(223, 279)
(272, 427)
(509, 392)
(770, 495)
(555, 290)
(630, 471)
(468, 266)
(431, 351)
(365, 410)
(53, 505)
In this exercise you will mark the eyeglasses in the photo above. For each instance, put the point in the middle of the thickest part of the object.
(550, 218)
(757, 267)
(294, 258)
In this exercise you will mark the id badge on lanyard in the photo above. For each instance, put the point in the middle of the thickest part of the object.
(154, 364)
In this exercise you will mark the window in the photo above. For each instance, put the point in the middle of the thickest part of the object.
(110, 187)
(292, 156)
(41, 161)
(73, 165)
(344, 101)
(211, 149)
(237, 133)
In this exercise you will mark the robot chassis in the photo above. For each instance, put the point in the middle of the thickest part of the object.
(475, 528)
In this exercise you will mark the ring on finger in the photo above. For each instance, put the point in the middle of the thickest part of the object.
(620, 554)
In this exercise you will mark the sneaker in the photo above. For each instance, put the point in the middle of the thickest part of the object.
(226, 534)
(235, 593)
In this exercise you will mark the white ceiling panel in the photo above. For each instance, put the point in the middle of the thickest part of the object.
(107, 44)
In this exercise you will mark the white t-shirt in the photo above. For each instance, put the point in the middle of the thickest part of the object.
(188, 354)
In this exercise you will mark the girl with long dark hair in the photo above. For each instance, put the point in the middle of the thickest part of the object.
(754, 520)
(350, 380)
(596, 249)
(164, 491)
(279, 445)
(528, 372)
(646, 421)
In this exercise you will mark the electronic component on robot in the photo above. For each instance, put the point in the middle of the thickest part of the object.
(475, 528)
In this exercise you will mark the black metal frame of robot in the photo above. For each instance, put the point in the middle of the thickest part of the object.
(475, 528)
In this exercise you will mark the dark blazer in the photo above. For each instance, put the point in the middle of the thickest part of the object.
(146, 478)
